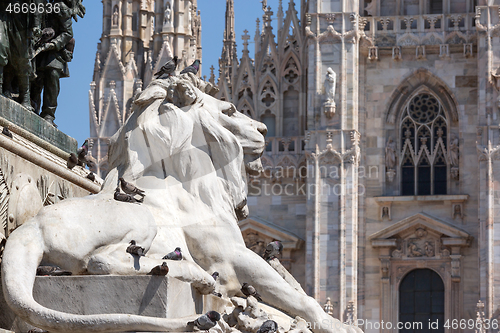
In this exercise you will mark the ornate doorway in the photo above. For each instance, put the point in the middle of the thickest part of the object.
(421, 300)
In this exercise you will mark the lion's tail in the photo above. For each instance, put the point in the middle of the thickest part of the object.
(23, 253)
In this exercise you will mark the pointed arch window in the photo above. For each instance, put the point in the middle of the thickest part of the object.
(423, 155)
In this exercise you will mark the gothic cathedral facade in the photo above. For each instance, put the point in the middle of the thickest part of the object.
(382, 160)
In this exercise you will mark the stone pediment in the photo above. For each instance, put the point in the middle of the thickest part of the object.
(258, 232)
(423, 236)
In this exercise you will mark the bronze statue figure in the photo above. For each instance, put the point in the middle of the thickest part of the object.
(17, 31)
(35, 48)
(53, 56)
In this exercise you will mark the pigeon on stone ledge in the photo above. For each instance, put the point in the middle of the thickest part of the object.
(72, 161)
(82, 153)
(168, 68)
(135, 249)
(249, 290)
(51, 271)
(269, 326)
(130, 189)
(37, 330)
(161, 270)
(206, 321)
(6, 132)
(174, 255)
(195, 66)
(273, 249)
(91, 176)
(126, 197)
(215, 275)
(83, 159)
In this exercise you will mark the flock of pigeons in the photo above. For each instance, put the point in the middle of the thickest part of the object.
(171, 65)
(81, 159)
(209, 319)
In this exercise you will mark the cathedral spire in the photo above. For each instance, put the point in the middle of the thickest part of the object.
(229, 56)
(229, 48)
(280, 15)
(229, 29)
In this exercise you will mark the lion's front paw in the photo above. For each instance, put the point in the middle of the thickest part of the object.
(190, 272)
(204, 286)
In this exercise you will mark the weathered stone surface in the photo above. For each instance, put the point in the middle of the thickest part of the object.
(153, 296)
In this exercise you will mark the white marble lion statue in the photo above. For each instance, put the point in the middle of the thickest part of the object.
(190, 153)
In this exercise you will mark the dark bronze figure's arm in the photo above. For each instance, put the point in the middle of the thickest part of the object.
(66, 29)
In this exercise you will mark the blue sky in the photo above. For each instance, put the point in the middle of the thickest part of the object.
(72, 115)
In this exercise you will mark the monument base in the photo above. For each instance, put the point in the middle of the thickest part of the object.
(14, 113)
(152, 296)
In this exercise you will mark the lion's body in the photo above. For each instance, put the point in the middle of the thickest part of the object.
(189, 159)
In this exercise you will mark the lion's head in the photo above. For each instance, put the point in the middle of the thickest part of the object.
(179, 131)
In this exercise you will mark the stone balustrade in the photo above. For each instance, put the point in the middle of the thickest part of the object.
(285, 145)
(442, 26)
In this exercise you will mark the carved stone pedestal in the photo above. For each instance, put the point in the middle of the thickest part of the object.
(153, 296)
(329, 109)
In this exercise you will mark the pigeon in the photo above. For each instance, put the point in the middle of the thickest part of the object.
(273, 249)
(249, 290)
(269, 326)
(168, 68)
(43, 43)
(51, 271)
(135, 249)
(82, 156)
(215, 275)
(6, 132)
(207, 321)
(47, 35)
(82, 153)
(129, 188)
(72, 161)
(91, 176)
(174, 255)
(161, 270)
(126, 197)
(195, 66)
(37, 330)
(217, 294)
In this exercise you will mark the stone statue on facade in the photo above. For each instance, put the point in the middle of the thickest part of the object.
(453, 154)
(330, 85)
(390, 159)
(190, 153)
(115, 16)
(167, 15)
(453, 150)
(52, 61)
(390, 154)
(328, 307)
